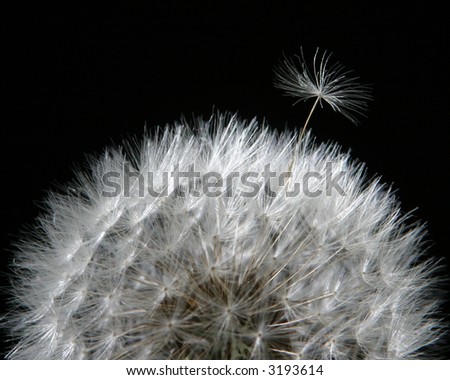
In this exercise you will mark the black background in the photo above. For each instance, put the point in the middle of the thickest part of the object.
(78, 79)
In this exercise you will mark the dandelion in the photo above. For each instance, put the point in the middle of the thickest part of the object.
(190, 275)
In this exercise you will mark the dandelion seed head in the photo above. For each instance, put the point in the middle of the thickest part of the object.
(227, 277)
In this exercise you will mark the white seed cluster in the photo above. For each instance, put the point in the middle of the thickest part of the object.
(191, 276)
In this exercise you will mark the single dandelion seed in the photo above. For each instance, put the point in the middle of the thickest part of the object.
(330, 82)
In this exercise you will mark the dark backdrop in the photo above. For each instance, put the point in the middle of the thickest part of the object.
(78, 79)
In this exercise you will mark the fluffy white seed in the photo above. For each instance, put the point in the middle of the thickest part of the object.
(331, 83)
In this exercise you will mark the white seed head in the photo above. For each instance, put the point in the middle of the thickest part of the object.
(188, 276)
(329, 82)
